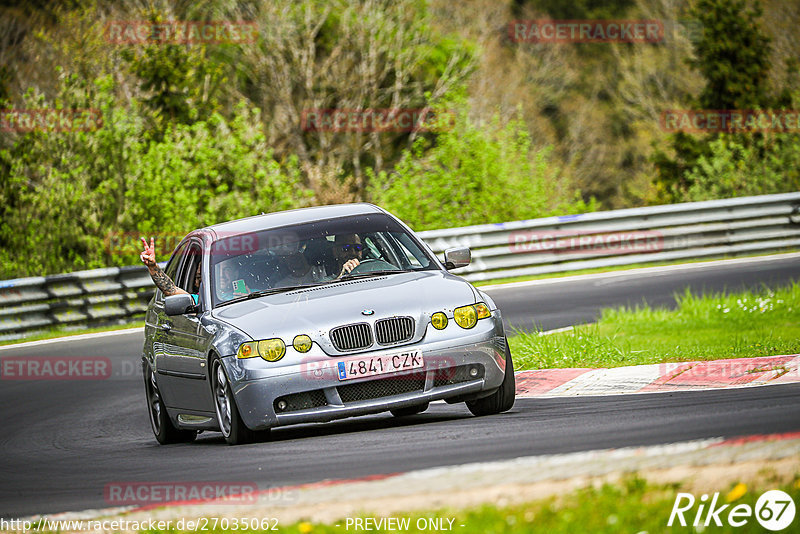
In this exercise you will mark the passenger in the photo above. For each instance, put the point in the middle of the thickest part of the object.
(300, 272)
(228, 286)
(160, 278)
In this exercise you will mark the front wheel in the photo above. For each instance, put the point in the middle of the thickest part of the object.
(501, 400)
(230, 422)
(163, 429)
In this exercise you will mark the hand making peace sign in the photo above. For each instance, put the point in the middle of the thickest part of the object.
(148, 255)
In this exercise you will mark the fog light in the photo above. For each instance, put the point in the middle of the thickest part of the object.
(439, 320)
(473, 372)
(281, 405)
(302, 343)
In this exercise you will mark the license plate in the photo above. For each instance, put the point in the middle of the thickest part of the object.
(379, 364)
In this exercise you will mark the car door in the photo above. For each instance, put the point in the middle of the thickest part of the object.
(182, 364)
(161, 325)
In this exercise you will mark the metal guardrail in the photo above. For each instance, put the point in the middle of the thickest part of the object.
(98, 296)
(714, 228)
(707, 229)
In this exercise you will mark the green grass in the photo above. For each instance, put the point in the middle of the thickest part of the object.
(738, 325)
(616, 268)
(631, 505)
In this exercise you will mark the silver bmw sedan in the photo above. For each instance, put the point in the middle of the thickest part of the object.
(312, 315)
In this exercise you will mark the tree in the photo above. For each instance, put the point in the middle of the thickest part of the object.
(733, 56)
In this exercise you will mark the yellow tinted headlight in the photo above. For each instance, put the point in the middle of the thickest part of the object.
(439, 320)
(271, 350)
(247, 350)
(302, 343)
(465, 316)
(483, 310)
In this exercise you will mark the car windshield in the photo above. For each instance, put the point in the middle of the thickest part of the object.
(315, 253)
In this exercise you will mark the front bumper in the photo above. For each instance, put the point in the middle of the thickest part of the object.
(304, 394)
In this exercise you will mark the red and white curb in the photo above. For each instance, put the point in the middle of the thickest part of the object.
(681, 376)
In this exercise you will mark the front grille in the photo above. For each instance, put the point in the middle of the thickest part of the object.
(394, 330)
(351, 337)
(301, 401)
(384, 387)
(456, 375)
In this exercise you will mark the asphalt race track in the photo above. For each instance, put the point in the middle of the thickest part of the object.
(63, 441)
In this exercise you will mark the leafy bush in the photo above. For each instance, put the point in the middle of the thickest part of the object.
(473, 174)
(735, 168)
(73, 190)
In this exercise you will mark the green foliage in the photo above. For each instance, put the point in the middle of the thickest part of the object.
(473, 174)
(73, 191)
(577, 9)
(178, 81)
(734, 168)
(732, 54)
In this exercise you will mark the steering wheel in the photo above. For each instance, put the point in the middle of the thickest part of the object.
(372, 264)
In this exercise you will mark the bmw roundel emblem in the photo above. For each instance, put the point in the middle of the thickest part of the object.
(367, 312)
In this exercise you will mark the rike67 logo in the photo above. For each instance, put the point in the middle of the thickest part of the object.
(774, 510)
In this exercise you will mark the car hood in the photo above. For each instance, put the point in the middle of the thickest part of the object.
(317, 310)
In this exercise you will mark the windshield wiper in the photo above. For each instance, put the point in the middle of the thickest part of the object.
(265, 292)
(350, 276)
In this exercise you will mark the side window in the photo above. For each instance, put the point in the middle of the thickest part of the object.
(174, 262)
(186, 277)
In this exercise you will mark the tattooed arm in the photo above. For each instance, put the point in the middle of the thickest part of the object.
(160, 278)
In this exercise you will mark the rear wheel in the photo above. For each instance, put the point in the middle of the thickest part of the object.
(230, 422)
(163, 429)
(409, 410)
(501, 400)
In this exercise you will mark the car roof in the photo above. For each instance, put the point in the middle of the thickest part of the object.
(285, 218)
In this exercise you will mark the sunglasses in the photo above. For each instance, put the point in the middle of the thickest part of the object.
(358, 247)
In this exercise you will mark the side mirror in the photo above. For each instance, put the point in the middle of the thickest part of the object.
(178, 304)
(457, 257)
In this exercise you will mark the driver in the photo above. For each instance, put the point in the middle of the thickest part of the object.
(347, 250)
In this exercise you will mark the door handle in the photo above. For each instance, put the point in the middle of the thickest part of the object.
(166, 327)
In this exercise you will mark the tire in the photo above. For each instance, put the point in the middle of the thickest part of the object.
(501, 400)
(230, 422)
(163, 429)
(409, 410)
